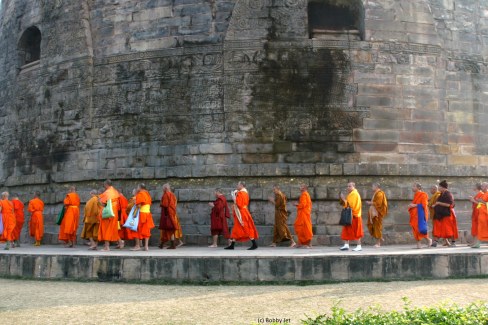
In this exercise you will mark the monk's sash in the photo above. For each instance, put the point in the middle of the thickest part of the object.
(146, 208)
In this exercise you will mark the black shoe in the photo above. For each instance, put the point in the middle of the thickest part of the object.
(231, 246)
(253, 247)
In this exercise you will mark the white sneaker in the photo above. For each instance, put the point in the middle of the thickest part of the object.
(345, 247)
(358, 248)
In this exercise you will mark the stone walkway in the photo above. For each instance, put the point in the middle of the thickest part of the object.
(241, 251)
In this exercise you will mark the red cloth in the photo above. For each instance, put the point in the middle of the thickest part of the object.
(218, 217)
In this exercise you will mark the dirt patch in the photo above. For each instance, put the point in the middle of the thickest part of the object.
(27, 302)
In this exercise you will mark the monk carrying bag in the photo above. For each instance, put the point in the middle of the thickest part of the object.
(346, 217)
(422, 223)
(133, 219)
(60, 216)
(108, 212)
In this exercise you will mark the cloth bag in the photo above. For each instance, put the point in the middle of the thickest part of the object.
(133, 219)
(422, 223)
(1, 223)
(108, 211)
(60, 216)
(346, 217)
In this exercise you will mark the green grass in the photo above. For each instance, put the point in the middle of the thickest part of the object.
(448, 314)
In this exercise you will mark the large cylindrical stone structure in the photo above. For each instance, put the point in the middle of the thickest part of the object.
(203, 93)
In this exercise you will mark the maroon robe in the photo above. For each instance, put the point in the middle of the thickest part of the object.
(218, 217)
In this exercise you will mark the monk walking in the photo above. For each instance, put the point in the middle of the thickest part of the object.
(482, 227)
(303, 222)
(36, 224)
(91, 219)
(281, 232)
(244, 228)
(434, 190)
(444, 218)
(420, 201)
(19, 219)
(355, 230)
(8, 215)
(169, 223)
(108, 230)
(146, 223)
(218, 218)
(123, 215)
(378, 208)
(69, 224)
(475, 210)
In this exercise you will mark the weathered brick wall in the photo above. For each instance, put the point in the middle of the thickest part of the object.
(202, 93)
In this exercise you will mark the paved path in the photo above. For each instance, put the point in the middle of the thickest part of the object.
(193, 251)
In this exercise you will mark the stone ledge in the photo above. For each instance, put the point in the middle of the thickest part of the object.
(266, 265)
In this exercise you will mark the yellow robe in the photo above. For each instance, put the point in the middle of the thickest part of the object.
(354, 231)
(375, 223)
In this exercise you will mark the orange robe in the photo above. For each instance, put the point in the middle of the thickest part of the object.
(36, 224)
(474, 215)
(355, 230)
(303, 222)
(419, 198)
(280, 230)
(108, 229)
(123, 231)
(91, 219)
(247, 230)
(445, 223)
(169, 223)
(19, 218)
(8, 217)
(483, 218)
(146, 223)
(375, 223)
(71, 219)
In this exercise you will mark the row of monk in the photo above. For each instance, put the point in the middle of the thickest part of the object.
(99, 229)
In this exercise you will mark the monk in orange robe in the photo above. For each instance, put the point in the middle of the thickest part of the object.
(474, 209)
(444, 217)
(378, 208)
(8, 215)
(422, 198)
(303, 222)
(218, 218)
(91, 220)
(146, 223)
(482, 231)
(123, 231)
(19, 219)
(281, 232)
(355, 230)
(108, 230)
(131, 235)
(71, 218)
(169, 223)
(244, 228)
(36, 224)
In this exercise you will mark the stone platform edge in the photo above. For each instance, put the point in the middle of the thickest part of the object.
(243, 269)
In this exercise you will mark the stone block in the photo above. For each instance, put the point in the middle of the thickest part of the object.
(380, 101)
(376, 135)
